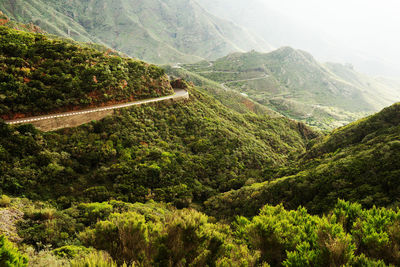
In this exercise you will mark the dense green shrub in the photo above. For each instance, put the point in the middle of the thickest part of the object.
(358, 163)
(41, 75)
(155, 234)
(96, 259)
(71, 251)
(181, 153)
(9, 255)
(296, 238)
(180, 238)
(5, 201)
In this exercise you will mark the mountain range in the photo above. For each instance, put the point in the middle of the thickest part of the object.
(279, 29)
(149, 30)
(293, 83)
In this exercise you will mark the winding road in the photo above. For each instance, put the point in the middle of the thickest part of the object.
(179, 93)
(246, 80)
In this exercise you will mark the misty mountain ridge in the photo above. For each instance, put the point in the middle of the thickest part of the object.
(293, 83)
(282, 30)
(149, 30)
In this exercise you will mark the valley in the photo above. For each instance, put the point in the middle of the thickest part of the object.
(294, 84)
(228, 153)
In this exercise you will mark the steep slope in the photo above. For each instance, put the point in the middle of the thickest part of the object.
(42, 75)
(156, 31)
(6, 22)
(227, 97)
(359, 162)
(176, 153)
(293, 83)
(385, 90)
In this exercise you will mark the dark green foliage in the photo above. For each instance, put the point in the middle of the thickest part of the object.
(70, 251)
(41, 75)
(181, 238)
(155, 234)
(187, 154)
(9, 255)
(383, 123)
(180, 153)
(359, 162)
(376, 231)
(296, 238)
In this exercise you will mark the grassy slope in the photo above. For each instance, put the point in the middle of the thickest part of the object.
(376, 89)
(293, 83)
(149, 30)
(229, 98)
(359, 162)
(6, 22)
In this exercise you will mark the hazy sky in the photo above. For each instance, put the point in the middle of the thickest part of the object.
(370, 25)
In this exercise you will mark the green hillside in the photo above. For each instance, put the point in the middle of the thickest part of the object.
(359, 162)
(214, 180)
(149, 30)
(42, 75)
(183, 152)
(293, 83)
(230, 98)
(197, 148)
(6, 22)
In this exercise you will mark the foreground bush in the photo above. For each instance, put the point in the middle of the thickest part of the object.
(156, 234)
(9, 255)
(181, 238)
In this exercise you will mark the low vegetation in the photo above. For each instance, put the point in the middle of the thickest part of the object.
(9, 255)
(152, 234)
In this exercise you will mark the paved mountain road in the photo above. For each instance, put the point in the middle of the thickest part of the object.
(179, 93)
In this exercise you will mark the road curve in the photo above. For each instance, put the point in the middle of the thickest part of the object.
(247, 80)
(178, 93)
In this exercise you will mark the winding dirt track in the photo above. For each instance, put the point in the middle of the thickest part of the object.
(179, 93)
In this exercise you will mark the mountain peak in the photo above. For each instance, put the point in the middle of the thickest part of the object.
(168, 31)
(296, 54)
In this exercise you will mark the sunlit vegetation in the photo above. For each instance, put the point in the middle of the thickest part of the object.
(181, 153)
(41, 75)
(359, 162)
(229, 98)
(9, 255)
(152, 234)
(294, 84)
(215, 180)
